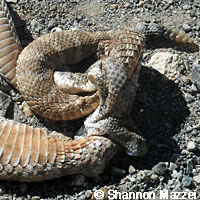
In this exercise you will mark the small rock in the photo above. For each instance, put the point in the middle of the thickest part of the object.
(169, 1)
(4, 86)
(154, 177)
(23, 187)
(78, 180)
(186, 181)
(127, 5)
(11, 1)
(141, 3)
(172, 166)
(131, 169)
(160, 168)
(52, 23)
(59, 196)
(186, 27)
(177, 189)
(197, 126)
(176, 174)
(195, 75)
(113, 6)
(185, 152)
(189, 98)
(36, 25)
(171, 182)
(191, 146)
(161, 178)
(186, 7)
(88, 193)
(197, 178)
(5, 102)
(35, 197)
(193, 88)
(27, 110)
(165, 63)
(132, 179)
(189, 168)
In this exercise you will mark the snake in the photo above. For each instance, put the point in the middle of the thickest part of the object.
(30, 153)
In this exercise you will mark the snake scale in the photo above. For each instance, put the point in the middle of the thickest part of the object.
(33, 154)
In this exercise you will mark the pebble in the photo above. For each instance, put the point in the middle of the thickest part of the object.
(52, 23)
(197, 126)
(172, 166)
(27, 110)
(4, 86)
(189, 98)
(113, 6)
(141, 3)
(11, 1)
(186, 181)
(36, 25)
(195, 75)
(88, 193)
(186, 27)
(127, 5)
(160, 168)
(59, 196)
(197, 179)
(175, 174)
(191, 146)
(131, 169)
(132, 179)
(5, 102)
(194, 88)
(177, 188)
(35, 197)
(154, 177)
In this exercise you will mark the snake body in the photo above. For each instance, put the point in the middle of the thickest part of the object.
(34, 154)
(57, 49)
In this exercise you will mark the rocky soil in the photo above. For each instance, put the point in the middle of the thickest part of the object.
(166, 110)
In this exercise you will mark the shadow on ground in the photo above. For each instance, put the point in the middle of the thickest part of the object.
(21, 29)
(159, 111)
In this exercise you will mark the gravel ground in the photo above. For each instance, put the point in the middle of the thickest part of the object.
(167, 107)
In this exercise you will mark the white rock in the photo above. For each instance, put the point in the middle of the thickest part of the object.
(11, 1)
(131, 169)
(165, 62)
(191, 146)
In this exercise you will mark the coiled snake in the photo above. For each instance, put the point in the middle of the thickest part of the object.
(33, 154)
